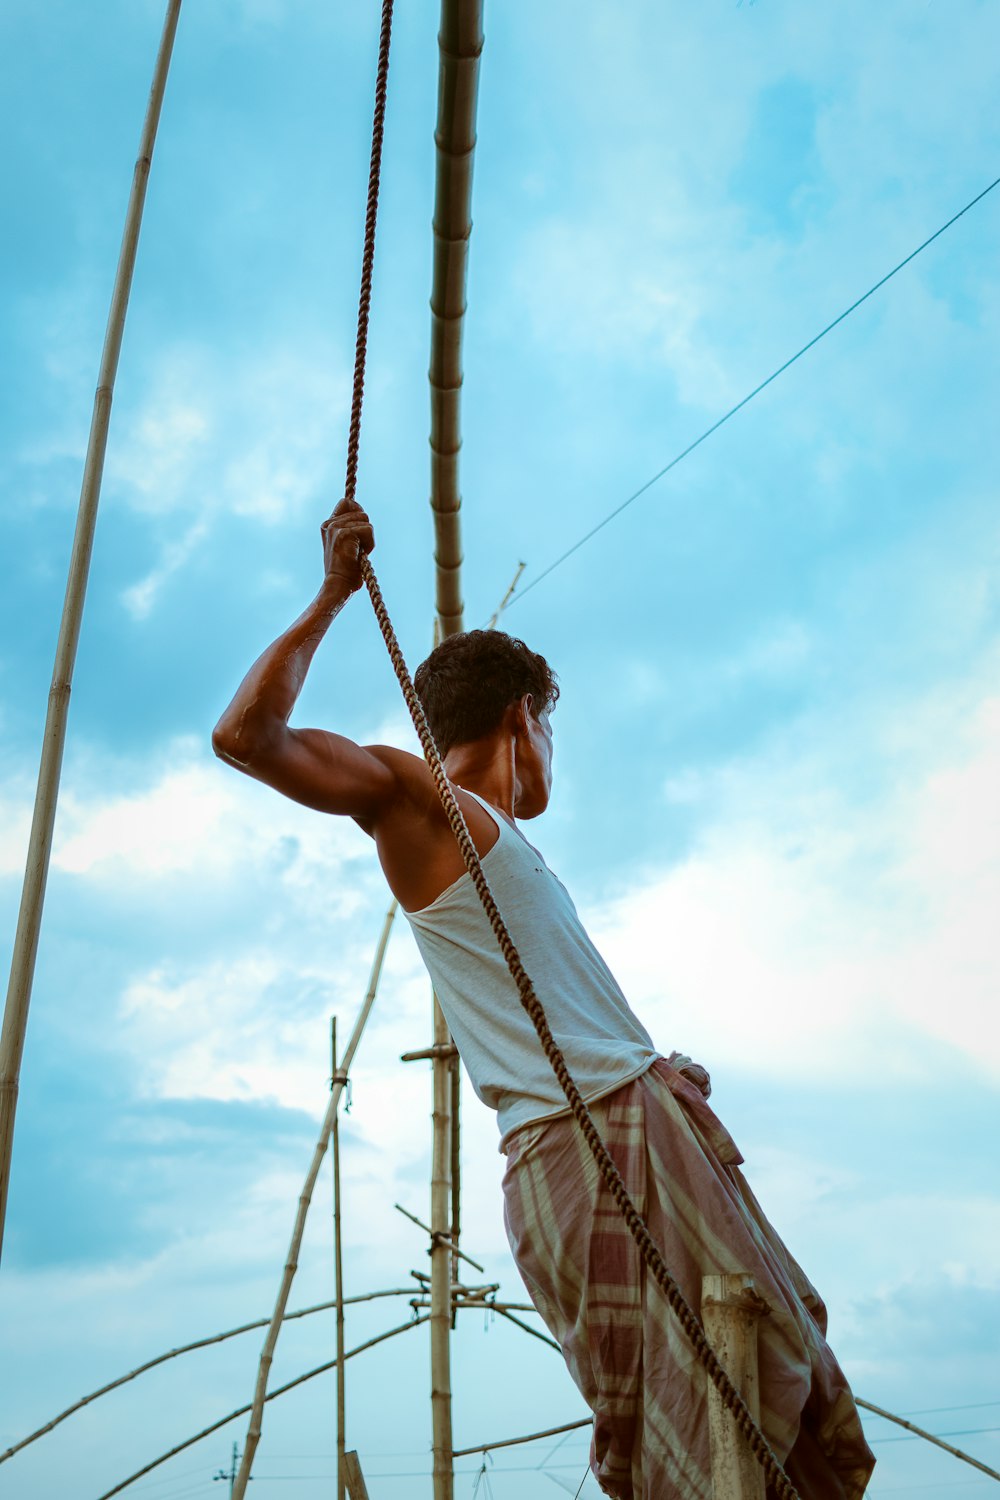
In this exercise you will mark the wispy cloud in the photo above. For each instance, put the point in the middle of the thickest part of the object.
(807, 930)
(244, 431)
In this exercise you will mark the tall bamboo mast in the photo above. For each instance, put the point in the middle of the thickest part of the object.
(460, 41)
(22, 967)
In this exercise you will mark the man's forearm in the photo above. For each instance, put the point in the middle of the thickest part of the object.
(265, 698)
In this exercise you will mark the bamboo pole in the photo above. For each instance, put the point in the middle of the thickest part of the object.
(214, 1338)
(460, 42)
(242, 1410)
(731, 1310)
(29, 920)
(929, 1437)
(531, 1437)
(355, 1479)
(291, 1263)
(455, 1105)
(441, 1264)
(338, 1275)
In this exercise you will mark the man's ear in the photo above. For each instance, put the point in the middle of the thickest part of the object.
(525, 712)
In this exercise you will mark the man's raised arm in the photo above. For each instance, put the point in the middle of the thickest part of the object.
(325, 771)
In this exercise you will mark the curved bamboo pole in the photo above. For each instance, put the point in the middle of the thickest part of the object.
(242, 1410)
(29, 920)
(531, 1437)
(927, 1436)
(305, 1198)
(161, 1359)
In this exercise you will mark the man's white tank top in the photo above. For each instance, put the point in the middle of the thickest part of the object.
(604, 1044)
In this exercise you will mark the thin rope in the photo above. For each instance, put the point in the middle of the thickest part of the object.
(654, 1261)
(721, 421)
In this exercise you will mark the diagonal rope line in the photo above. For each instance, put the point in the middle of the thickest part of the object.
(731, 1397)
(721, 421)
(690, 1323)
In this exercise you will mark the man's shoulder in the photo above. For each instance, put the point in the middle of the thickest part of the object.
(411, 774)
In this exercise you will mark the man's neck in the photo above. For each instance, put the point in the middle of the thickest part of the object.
(487, 768)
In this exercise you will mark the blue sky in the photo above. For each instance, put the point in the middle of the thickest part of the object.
(776, 751)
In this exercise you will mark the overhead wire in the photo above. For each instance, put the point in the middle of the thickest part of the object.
(751, 395)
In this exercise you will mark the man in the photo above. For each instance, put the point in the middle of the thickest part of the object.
(488, 699)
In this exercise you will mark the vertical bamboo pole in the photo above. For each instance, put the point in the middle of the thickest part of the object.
(730, 1311)
(338, 1272)
(441, 1264)
(455, 1087)
(460, 41)
(305, 1198)
(22, 967)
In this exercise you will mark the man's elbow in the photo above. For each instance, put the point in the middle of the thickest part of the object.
(225, 743)
(235, 742)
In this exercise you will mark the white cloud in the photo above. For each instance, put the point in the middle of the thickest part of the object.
(139, 598)
(807, 934)
(248, 434)
(198, 821)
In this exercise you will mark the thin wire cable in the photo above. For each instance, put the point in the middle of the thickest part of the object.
(685, 452)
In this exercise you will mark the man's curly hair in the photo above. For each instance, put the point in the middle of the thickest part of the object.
(468, 682)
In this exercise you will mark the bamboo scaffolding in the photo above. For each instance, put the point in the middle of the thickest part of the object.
(305, 1198)
(205, 1343)
(338, 1274)
(22, 968)
(441, 1264)
(242, 1410)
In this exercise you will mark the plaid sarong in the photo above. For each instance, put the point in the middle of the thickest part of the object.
(624, 1347)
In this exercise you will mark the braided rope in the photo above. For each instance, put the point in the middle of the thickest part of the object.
(368, 254)
(731, 1397)
(776, 1476)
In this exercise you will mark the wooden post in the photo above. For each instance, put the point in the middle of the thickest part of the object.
(730, 1308)
(356, 1487)
(338, 1275)
(441, 1261)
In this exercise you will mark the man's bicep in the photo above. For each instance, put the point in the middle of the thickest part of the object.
(329, 773)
